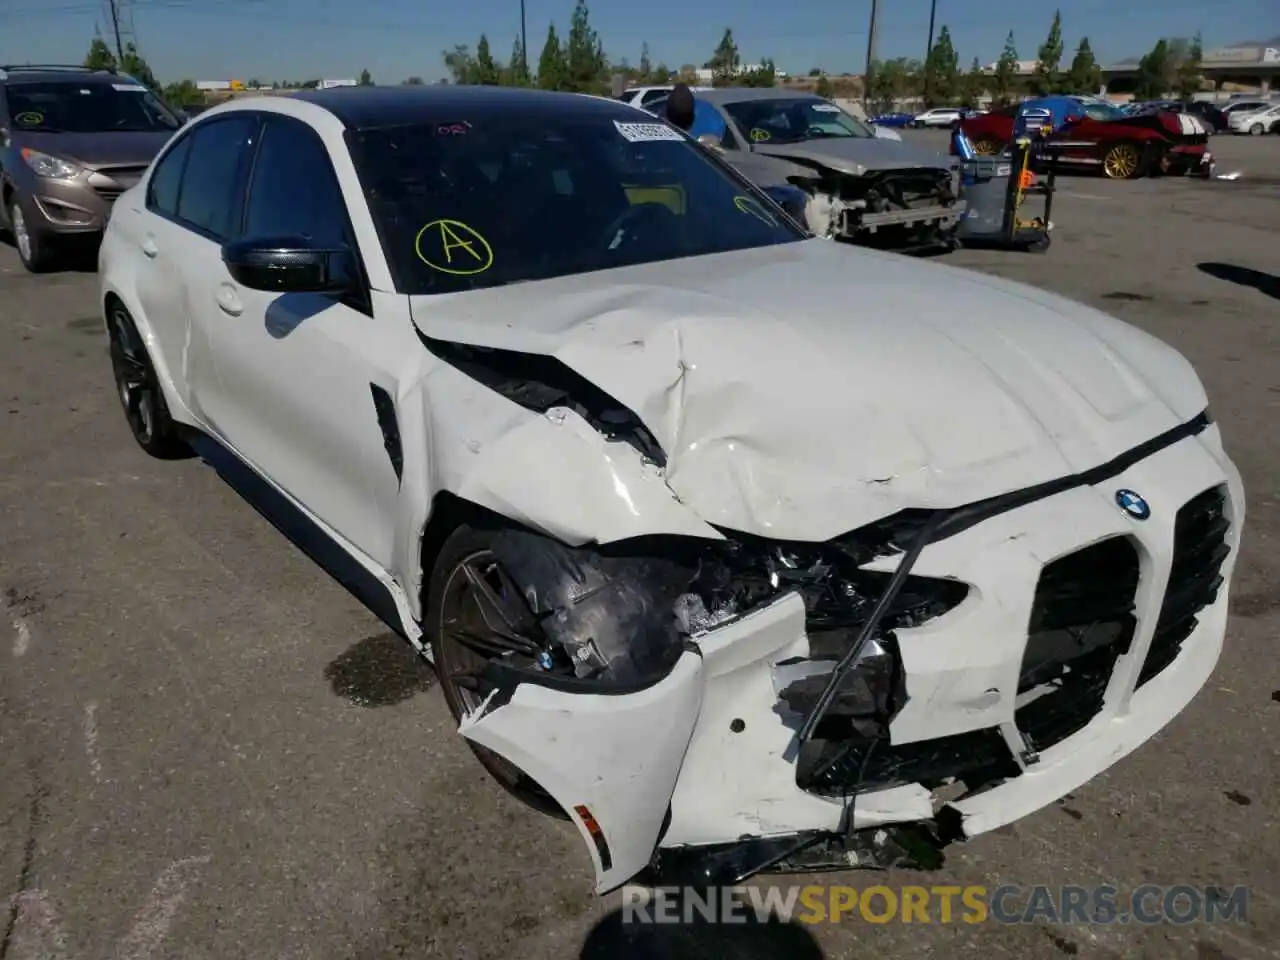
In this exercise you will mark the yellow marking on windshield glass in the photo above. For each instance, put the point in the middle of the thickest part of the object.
(760, 135)
(30, 118)
(753, 207)
(463, 250)
(670, 196)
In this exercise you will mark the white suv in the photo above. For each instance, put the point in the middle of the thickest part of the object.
(723, 570)
(937, 117)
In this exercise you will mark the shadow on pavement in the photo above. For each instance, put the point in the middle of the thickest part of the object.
(1263, 282)
(611, 939)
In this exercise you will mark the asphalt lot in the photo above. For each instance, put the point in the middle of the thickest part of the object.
(208, 750)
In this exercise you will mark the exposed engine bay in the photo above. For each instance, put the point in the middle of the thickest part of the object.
(886, 208)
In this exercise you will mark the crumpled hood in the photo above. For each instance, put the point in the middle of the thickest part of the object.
(857, 155)
(801, 391)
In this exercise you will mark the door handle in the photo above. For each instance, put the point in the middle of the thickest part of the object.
(229, 301)
(149, 247)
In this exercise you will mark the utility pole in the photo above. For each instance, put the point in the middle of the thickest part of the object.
(871, 56)
(524, 42)
(115, 26)
(933, 16)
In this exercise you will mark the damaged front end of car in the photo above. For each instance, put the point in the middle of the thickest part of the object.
(887, 209)
(706, 710)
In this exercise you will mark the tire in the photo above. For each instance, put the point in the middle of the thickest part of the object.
(987, 147)
(34, 249)
(138, 389)
(1122, 161)
(468, 545)
(1256, 130)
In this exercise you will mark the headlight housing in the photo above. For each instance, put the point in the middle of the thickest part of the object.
(50, 167)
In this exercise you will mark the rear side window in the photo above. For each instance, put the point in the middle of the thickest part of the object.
(212, 195)
(294, 191)
(162, 191)
(652, 95)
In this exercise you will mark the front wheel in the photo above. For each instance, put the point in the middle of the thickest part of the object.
(139, 390)
(34, 249)
(1123, 161)
(1256, 130)
(473, 611)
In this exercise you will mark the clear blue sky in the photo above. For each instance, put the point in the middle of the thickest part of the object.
(394, 39)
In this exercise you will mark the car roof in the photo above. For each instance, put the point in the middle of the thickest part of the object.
(364, 108)
(722, 95)
(67, 75)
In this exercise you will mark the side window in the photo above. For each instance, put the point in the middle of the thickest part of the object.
(212, 195)
(166, 178)
(294, 191)
(652, 95)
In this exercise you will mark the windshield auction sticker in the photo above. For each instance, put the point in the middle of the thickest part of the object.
(453, 247)
(753, 207)
(647, 132)
(29, 119)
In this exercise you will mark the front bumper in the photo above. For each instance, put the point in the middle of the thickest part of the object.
(74, 207)
(1193, 159)
(705, 761)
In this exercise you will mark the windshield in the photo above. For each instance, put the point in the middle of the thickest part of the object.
(793, 119)
(70, 107)
(461, 206)
(1102, 111)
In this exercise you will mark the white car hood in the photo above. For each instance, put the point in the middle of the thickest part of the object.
(804, 390)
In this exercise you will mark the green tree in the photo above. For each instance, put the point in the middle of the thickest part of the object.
(645, 70)
(941, 71)
(660, 74)
(974, 85)
(460, 64)
(553, 71)
(1045, 79)
(1084, 75)
(724, 63)
(138, 68)
(1005, 79)
(487, 73)
(516, 73)
(584, 54)
(183, 93)
(366, 79)
(764, 75)
(100, 56)
(1153, 73)
(1190, 77)
(890, 81)
(823, 87)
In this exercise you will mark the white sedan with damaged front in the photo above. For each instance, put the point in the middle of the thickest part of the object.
(739, 549)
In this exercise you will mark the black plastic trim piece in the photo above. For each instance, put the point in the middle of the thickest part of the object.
(389, 424)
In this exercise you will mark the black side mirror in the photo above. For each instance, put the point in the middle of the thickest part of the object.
(289, 265)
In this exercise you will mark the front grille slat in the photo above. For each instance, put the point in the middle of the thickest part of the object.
(1082, 622)
(1199, 550)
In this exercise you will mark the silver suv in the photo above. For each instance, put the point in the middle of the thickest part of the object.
(71, 141)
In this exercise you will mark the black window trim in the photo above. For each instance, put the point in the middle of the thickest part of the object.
(255, 118)
(362, 300)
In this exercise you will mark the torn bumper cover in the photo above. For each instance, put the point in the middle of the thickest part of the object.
(709, 710)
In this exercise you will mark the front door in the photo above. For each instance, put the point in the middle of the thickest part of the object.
(308, 383)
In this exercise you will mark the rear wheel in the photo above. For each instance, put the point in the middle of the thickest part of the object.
(1122, 161)
(986, 147)
(139, 390)
(472, 605)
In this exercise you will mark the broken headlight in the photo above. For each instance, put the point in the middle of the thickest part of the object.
(623, 613)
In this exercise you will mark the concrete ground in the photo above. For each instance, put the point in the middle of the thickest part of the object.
(208, 750)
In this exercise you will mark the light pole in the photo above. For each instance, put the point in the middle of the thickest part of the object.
(933, 15)
(871, 58)
(524, 42)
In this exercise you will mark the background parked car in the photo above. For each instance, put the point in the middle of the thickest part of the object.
(75, 140)
(938, 117)
(1256, 122)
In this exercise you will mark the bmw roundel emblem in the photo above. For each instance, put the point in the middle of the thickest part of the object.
(1133, 505)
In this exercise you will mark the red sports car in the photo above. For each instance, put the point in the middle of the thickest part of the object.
(1124, 146)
